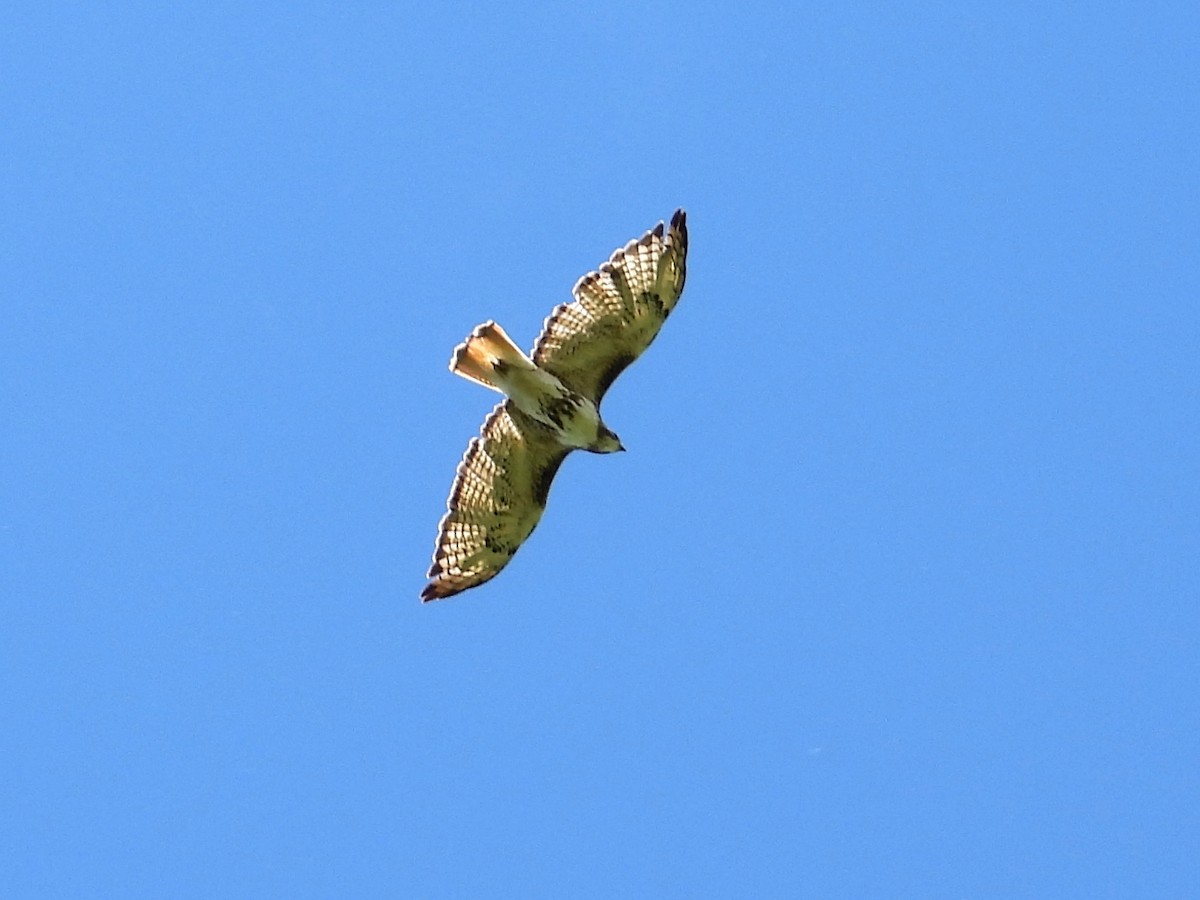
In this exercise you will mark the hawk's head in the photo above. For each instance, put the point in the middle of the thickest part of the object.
(606, 441)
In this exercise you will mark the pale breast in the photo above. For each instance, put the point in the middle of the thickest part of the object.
(543, 397)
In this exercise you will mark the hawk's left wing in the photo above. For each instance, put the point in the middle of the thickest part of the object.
(496, 501)
(617, 311)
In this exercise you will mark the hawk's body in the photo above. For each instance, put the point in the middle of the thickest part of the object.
(489, 357)
(553, 403)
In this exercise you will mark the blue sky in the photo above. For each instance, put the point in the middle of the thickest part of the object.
(895, 593)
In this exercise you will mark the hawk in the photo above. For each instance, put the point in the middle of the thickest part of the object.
(552, 403)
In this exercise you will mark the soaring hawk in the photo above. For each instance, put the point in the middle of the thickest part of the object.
(552, 405)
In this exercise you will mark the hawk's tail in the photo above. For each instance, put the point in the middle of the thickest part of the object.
(487, 351)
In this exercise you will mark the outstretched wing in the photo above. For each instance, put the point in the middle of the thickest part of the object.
(617, 311)
(496, 500)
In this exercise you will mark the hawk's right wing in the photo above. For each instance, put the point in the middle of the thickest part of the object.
(496, 500)
(617, 311)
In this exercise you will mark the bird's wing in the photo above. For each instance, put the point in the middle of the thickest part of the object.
(617, 311)
(497, 498)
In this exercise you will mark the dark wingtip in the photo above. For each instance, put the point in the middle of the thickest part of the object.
(679, 231)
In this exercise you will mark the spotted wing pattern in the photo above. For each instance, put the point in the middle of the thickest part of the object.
(497, 499)
(617, 311)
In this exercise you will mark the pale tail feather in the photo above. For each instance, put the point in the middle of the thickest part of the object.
(475, 359)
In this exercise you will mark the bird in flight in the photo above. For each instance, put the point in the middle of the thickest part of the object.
(552, 403)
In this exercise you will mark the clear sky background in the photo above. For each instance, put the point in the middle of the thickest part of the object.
(895, 594)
